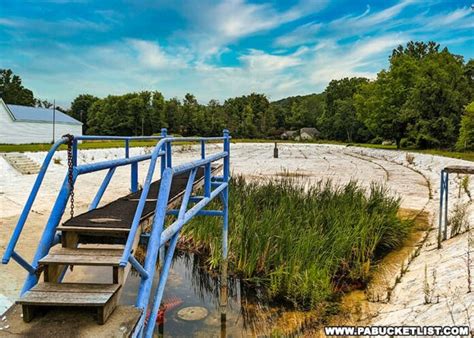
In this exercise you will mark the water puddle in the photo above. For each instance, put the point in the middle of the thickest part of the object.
(191, 297)
(191, 302)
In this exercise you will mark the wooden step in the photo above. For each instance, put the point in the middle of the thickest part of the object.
(103, 297)
(83, 256)
(59, 258)
(73, 235)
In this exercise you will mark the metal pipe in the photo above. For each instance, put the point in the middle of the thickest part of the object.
(198, 163)
(203, 149)
(207, 180)
(440, 216)
(134, 177)
(29, 203)
(161, 287)
(136, 264)
(154, 242)
(227, 158)
(225, 227)
(187, 194)
(23, 263)
(140, 206)
(122, 138)
(88, 168)
(164, 133)
(446, 195)
(102, 189)
(49, 231)
(177, 225)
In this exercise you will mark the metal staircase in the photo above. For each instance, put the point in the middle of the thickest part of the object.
(109, 235)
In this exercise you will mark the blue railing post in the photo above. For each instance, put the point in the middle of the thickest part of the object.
(29, 203)
(446, 195)
(164, 133)
(127, 148)
(50, 230)
(203, 149)
(225, 228)
(169, 160)
(133, 169)
(155, 239)
(440, 216)
(103, 187)
(227, 158)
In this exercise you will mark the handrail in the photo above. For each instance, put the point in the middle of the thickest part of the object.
(121, 138)
(141, 204)
(213, 186)
(31, 198)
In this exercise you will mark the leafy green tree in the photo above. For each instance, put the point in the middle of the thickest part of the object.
(437, 99)
(420, 97)
(339, 120)
(215, 117)
(173, 114)
(157, 114)
(80, 109)
(466, 133)
(12, 90)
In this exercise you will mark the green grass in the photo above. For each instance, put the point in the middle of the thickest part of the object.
(468, 155)
(84, 145)
(305, 244)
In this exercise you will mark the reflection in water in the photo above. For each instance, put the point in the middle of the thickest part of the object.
(189, 284)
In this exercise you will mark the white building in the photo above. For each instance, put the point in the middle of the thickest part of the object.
(22, 124)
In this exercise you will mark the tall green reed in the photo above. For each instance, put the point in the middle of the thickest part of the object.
(304, 242)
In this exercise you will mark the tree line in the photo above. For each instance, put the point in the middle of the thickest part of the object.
(423, 100)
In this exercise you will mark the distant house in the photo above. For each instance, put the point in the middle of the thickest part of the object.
(22, 124)
(289, 134)
(309, 134)
(304, 134)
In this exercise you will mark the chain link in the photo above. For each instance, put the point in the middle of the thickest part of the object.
(70, 166)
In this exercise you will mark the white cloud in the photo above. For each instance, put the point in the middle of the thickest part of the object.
(332, 61)
(259, 61)
(304, 34)
(151, 55)
(348, 25)
(213, 27)
(63, 27)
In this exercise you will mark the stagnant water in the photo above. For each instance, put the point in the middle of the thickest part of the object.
(190, 285)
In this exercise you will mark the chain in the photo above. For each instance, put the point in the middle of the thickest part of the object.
(70, 166)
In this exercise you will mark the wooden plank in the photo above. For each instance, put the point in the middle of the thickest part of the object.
(459, 169)
(71, 322)
(96, 251)
(105, 311)
(60, 298)
(93, 230)
(75, 287)
(86, 256)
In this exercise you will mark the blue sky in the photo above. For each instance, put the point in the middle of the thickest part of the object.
(215, 49)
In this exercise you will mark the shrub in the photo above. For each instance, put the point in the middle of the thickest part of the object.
(410, 158)
(305, 243)
(377, 140)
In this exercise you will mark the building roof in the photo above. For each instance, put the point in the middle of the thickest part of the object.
(35, 114)
(309, 131)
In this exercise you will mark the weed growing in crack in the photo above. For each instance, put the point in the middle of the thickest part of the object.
(428, 289)
(458, 220)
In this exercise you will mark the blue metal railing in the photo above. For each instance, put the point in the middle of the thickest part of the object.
(214, 186)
